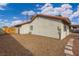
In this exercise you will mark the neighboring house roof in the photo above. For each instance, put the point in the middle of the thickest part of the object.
(63, 19)
(75, 26)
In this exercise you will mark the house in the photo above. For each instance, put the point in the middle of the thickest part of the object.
(45, 25)
(75, 28)
(1, 31)
(23, 28)
(9, 30)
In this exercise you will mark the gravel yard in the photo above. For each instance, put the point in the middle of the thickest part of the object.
(14, 44)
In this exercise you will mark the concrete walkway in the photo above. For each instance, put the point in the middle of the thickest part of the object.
(72, 47)
(68, 48)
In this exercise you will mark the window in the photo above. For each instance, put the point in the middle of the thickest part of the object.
(59, 32)
(31, 27)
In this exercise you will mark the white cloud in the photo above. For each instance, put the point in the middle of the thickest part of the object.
(37, 5)
(64, 10)
(30, 12)
(78, 20)
(15, 17)
(67, 13)
(59, 9)
(66, 6)
(24, 12)
(38, 12)
(5, 20)
(16, 22)
(7, 24)
(1, 8)
(74, 23)
(77, 7)
(4, 23)
(75, 15)
(2, 5)
(46, 5)
(47, 9)
(0, 20)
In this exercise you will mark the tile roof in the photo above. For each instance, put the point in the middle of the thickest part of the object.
(63, 19)
(74, 25)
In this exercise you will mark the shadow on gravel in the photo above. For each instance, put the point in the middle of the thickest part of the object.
(9, 46)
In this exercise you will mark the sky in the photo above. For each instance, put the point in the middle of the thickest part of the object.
(16, 13)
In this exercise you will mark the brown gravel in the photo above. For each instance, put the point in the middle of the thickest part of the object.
(15, 44)
(9, 46)
(40, 45)
(76, 45)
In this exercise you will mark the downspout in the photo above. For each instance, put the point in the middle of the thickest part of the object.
(59, 32)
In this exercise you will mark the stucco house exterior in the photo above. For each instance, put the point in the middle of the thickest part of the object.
(75, 26)
(23, 28)
(45, 25)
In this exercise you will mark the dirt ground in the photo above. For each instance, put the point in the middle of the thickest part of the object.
(15, 45)
(76, 44)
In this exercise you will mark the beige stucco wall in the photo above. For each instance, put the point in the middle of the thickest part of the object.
(17, 29)
(43, 26)
(25, 29)
(2, 31)
(64, 33)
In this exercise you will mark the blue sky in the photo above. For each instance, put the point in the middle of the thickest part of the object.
(11, 12)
